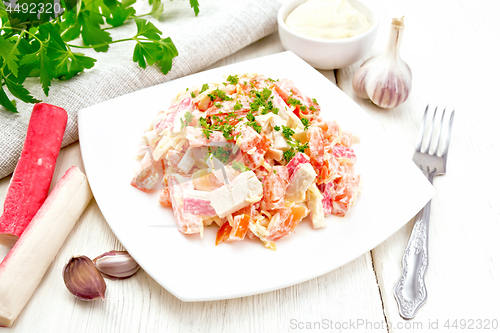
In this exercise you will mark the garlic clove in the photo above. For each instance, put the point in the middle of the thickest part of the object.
(385, 79)
(83, 280)
(116, 265)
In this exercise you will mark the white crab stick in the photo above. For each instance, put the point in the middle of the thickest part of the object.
(25, 265)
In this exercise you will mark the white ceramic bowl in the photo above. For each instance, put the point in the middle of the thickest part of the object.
(324, 53)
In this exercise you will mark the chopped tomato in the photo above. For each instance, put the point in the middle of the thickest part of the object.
(285, 220)
(316, 148)
(223, 233)
(165, 200)
(240, 227)
(274, 187)
(286, 89)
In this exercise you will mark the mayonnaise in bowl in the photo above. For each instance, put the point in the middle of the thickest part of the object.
(327, 19)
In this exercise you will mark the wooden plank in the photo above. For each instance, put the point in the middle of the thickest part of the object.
(139, 304)
(448, 45)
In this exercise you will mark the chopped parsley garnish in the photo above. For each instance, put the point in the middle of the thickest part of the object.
(233, 79)
(287, 132)
(303, 108)
(226, 130)
(250, 116)
(237, 106)
(192, 94)
(187, 120)
(277, 128)
(266, 93)
(287, 155)
(218, 105)
(315, 101)
(276, 110)
(206, 132)
(240, 166)
(204, 87)
(305, 122)
(299, 146)
(205, 127)
(220, 94)
(293, 102)
(270, 80)
(222, 153)
(275, 172)
(312, 108)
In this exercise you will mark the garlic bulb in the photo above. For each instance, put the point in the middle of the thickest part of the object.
(83, 280)
(116, 265)
(385, 79)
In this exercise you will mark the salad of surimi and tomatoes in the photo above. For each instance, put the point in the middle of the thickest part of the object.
(251, 155)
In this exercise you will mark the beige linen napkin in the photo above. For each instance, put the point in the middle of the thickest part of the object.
(221, 28)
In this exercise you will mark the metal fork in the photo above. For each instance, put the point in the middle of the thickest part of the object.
(410, 291)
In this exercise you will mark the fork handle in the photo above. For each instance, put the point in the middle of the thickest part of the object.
(410, 291)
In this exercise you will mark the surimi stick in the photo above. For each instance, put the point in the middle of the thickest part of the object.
(30, 182)
(25, 265)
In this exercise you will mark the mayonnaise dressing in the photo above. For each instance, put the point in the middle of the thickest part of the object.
(327, 19)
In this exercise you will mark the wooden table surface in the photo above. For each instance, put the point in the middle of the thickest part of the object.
(452, 48)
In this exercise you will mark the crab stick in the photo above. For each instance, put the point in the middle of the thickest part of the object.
(25, 265)
(30, 182)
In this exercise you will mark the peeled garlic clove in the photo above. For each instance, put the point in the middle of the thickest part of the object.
(116, 265)
(385, 79)
(83, 280)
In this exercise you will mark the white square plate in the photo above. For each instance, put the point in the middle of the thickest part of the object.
(194, 269)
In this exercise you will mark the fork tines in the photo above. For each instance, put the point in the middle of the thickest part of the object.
(427, 137)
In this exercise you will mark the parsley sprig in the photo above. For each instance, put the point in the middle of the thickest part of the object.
(44, 50)
(295, 146)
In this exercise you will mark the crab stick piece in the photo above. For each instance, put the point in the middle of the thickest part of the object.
(25, 265)
(30, 182)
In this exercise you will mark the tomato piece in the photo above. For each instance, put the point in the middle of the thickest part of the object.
(286, 89)
(223, 233)
(165, 200)
(240, 227)
(285, 221)
(316, 149)
(274, 187)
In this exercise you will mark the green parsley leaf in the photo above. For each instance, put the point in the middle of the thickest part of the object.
(222, 153)
(288, 155)
(287, 132)
(219, 94)
(9, 53)
(19, 91)
(293, 102)
(240, 166)
(147, 29)
(195, 5)
(204, 87)
(193, 95)
(237, 106)
(233, 79)
(305, 122)
(250, 116)
(315, 101)
(277, 128)
(92, 34)
(187, 120)
(206, 132)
